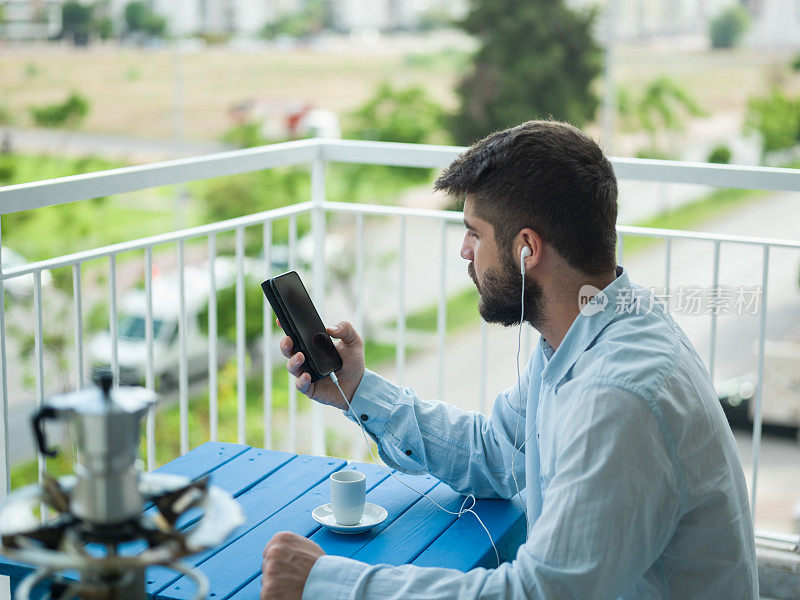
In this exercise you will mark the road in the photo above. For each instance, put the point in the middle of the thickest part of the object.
(126, 149)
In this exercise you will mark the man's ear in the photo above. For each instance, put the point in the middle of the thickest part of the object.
(528, 238)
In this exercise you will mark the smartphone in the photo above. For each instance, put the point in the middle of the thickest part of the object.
(300, 321)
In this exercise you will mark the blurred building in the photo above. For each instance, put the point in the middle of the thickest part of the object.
(774, 23)
(235, 17)
(247, 17)
(387, 15)
(27, 20)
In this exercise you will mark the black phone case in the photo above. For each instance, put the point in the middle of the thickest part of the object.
(284, 314)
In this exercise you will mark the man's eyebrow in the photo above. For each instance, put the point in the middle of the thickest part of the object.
(468, 225)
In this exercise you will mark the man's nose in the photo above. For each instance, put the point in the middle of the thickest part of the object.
(466, 250)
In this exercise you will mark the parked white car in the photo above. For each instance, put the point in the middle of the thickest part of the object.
(132, 345)
(780, 406)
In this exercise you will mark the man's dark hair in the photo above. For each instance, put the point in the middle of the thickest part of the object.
(548, 176)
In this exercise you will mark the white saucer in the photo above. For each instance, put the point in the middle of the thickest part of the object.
(373, 515)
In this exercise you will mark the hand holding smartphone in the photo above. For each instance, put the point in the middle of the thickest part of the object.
(300, 321)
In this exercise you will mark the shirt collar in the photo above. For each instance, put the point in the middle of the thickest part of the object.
(593, 318)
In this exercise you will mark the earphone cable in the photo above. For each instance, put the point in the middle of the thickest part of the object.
(469, 497)
(519, 396)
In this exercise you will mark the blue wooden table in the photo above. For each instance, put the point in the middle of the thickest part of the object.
(278, 491)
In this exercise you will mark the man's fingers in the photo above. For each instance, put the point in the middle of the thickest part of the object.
(286, 345)
(302, 383)
(295, 364)
(344, 331)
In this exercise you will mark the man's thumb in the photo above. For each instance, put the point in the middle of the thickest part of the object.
(343, 331)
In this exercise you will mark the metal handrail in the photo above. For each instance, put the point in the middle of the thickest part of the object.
(27, 196)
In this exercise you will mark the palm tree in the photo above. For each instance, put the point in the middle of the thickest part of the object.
(660, 111)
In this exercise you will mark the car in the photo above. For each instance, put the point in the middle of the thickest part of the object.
(335, 252)
(780, 406)
(131, 343)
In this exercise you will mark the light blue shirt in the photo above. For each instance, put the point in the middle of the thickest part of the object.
(634, 485)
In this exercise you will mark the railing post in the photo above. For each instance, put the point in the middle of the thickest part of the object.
(213, 365)
(78, 318)
(400, 349)
(5, 471)
(318, 283)
(183, 363)
(441, 317)
(292, 438)
(266, 312)
(149, 366)
(241, 342)
(113, 323)
(712, 338)
(38, 353)
(757, 416)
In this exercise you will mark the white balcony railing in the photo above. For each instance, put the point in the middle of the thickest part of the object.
(317, 154)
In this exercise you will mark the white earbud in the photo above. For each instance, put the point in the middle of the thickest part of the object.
(526, 252)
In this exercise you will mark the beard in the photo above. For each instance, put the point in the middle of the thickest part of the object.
(500, 296)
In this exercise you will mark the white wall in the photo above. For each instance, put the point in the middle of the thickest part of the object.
(361, 14)
(777, 24)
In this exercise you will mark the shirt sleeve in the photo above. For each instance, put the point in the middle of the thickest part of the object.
(467, 450)
(609, 511)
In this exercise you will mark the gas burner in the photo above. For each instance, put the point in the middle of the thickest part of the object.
(93, 516)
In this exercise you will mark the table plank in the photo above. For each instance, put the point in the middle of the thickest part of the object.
(465, 545)
(240, 562)
(259, 503)
(203, 459)
(413, 531)
(390, 493)
(240, 474)
(235, 476)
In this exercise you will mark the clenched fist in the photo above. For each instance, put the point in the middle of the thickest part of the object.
(288, 559)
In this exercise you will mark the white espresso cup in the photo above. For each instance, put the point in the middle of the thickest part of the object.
(348, 495)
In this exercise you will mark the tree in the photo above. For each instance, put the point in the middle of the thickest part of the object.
(398, 115)
(315, 16)
(103, 27)
(662, 108)
(720, 154)
(140, 19)
(536, 60)
(393, 115)
(135, 15)
(76, 19)
(226, 313)
(776, 118)
(66, 114)
(727, 28)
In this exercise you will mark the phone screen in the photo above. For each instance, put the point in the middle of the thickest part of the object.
(307, 322)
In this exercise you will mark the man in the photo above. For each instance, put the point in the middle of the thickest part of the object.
(634, 486)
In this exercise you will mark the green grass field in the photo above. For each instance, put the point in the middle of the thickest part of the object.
(131, 91)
